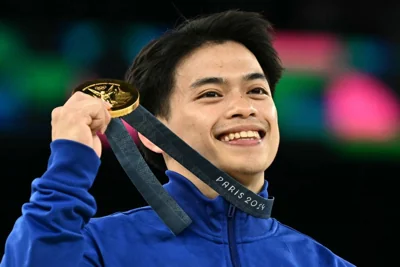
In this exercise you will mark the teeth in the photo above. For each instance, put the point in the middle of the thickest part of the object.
(240, 135)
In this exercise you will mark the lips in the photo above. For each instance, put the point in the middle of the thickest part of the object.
(249, 133)
(240, 135)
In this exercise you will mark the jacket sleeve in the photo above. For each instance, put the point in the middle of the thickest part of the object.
(50, 230)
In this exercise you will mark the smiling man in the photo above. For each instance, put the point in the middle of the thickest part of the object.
(210, 81)
(222, 106)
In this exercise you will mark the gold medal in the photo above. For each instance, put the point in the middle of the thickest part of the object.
(122, 96)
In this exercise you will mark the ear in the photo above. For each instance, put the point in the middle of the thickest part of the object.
(150, 145)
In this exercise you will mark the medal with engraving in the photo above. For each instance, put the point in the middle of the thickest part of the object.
(122, 97)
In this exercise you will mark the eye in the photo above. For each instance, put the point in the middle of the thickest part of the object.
(259, 91)
(210, 94)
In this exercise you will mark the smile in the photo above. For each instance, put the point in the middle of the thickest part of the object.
(243, 138)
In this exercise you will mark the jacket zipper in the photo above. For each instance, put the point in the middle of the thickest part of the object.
(232, 237)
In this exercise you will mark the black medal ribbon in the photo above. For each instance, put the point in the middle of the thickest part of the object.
(143, 178)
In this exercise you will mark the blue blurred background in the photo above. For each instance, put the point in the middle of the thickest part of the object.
(338, 104)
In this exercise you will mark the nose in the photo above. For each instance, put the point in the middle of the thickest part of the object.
(241, 107)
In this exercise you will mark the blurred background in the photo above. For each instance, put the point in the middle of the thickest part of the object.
(338, 104)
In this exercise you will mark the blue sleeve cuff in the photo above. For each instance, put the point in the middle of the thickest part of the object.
(74, 160)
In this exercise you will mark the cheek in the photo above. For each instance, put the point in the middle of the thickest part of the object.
(189, 125)
(272, 117)
(199, 125)
(273, 114)
(194, 131)
(269, 112)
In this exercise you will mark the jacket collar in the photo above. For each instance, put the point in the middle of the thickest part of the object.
(210, 216)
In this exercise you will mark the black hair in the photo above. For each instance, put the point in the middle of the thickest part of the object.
(153, 70)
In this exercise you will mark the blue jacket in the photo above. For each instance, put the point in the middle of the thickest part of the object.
(56, 228)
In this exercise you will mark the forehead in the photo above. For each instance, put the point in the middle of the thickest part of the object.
(229, 60)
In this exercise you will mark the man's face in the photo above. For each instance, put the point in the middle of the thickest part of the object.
(222, 107)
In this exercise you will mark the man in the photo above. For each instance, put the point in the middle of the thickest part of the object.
(211, 81)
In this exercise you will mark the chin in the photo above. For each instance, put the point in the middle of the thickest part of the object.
(251, 164)
(247, 171)
(242, 165)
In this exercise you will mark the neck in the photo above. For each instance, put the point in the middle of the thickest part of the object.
(252, 182)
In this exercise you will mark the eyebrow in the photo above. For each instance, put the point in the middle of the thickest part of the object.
(220, 80)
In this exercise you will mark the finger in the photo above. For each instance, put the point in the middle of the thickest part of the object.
(78, 97)
(107, 117)
(107, 104)
(55, 113)
(96, 114)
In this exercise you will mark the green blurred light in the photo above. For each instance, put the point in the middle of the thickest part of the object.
(298, 98)
(300, 82)
(46, 81)
(368, 150)
(13, 51)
